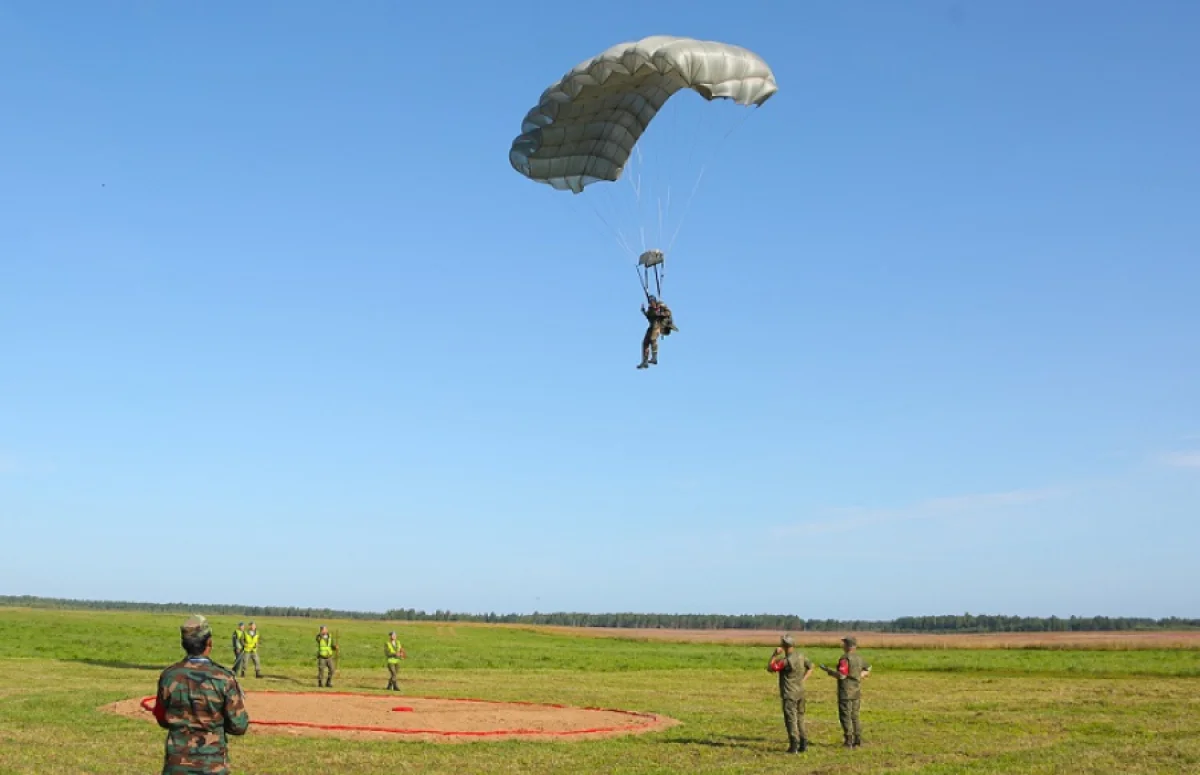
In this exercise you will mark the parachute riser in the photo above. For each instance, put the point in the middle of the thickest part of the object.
(652, 259)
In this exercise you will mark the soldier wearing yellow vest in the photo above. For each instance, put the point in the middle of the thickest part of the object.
(250, 650)
(326, 648)
(395, 653)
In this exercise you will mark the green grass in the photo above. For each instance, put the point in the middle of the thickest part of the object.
(924, 711)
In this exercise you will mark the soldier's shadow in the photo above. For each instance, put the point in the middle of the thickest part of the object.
(117, 664)
(247, 682)
(720, 741)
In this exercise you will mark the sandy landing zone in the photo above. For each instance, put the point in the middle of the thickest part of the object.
(343, 714)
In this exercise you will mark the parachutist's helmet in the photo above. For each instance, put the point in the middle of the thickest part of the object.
(653, 300)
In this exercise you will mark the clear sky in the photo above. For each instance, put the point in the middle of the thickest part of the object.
(279, 324)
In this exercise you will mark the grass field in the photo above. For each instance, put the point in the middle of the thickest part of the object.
(941, 709)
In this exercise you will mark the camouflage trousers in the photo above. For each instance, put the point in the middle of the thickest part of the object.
(250, 656)
(848, 715)
(650, 342)
(393, 676)
(324, 665)
(793, 719)
(196, 765)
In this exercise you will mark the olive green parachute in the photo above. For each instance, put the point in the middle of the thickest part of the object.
(585, 126)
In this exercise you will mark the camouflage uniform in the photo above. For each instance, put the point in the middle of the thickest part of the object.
(792, 668)
(850, 669)
(661, 324)
(325, 649)
(239, 647)
(198, 703)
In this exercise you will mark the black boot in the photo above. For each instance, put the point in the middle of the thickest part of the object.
(848, 742)
(792, 747)
(803, 745)
(858, 741)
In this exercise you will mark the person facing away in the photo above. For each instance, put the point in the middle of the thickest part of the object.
(793, 669)
(198, 702)
(660, 323)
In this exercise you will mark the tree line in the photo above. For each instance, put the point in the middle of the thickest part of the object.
(931, 624)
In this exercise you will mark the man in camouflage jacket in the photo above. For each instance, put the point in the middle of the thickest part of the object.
(198, 703)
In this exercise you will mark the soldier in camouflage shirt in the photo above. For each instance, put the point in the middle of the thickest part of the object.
(851, 671)
(793, 668)
(198, 703)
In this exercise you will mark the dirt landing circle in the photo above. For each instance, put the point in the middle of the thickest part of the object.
(344, 714)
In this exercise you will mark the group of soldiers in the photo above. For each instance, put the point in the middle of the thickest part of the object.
(794, 669)
(200, 703)
(245, 649)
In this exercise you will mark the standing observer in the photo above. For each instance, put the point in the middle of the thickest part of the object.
(326, 648)
(793, 669)
(250, 651)
(851, 671)
(198, 703)
(394, 653)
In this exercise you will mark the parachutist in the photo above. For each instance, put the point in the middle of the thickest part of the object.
(662, 322)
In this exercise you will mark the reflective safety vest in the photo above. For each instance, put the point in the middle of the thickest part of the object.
(324, 646)
(251, 641)
(393, 652)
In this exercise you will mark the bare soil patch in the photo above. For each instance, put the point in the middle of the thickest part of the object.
(349, 715)
(1183, 639)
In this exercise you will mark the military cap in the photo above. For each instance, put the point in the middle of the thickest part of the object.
(850, 641)
(195, 625)
(788, 640)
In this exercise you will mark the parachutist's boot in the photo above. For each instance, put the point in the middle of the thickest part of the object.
(643, 364)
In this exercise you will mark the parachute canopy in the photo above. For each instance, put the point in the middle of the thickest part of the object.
(586, 124)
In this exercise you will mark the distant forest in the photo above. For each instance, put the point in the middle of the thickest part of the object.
(947, 623)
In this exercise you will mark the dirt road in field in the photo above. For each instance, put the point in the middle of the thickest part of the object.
(1006, 640)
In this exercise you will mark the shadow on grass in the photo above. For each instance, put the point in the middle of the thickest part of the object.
(117, 664)
(724, 741)
(248, 682)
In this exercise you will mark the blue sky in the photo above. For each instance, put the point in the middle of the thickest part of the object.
(280, 324)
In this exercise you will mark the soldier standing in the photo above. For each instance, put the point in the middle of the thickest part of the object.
(851, 671)
(239, 646)
(325, 651)
(794, 669)
(395, 653)
(198, 703)
(250, 651)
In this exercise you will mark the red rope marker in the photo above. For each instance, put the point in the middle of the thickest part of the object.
(148, 705)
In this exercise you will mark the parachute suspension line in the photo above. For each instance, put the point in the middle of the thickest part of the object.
(617, 234)
(700, 176)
